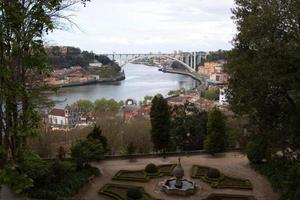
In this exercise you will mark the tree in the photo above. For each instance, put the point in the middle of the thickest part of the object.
(96, 134)
(266, 54)
(215, 140)
(84, 105)
(23, 25)
(161, 123)
(104, 105)
(87, 151)
(188, 130)
(264, 71)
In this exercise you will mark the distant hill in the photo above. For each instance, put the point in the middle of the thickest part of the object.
(65, 56)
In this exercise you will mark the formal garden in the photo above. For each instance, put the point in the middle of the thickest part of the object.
(228, 177)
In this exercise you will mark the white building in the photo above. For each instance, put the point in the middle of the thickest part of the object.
(63, 118)
(222, 97)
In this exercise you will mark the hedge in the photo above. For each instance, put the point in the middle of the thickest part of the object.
(119, 192)
(200, 172)
(142, 175)
(229, 196)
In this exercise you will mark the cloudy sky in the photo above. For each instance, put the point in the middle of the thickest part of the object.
(142, 26)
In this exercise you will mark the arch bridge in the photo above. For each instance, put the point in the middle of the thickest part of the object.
(188, 59)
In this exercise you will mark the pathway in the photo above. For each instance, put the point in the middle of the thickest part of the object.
(231, 164)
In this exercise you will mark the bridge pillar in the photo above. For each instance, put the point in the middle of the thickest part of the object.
(195, 61)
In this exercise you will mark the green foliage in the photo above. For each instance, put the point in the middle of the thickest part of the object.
(216, 55)
(211, 94)
(107, 71)
(188, 130)
(87, 151)
(118, 192)
(96, 134)
(104, 105)
(161, 123)
(34, 167)
(266, 54)
(256, 150)
(216, 132)
(65, 187)
(207, 175)
(84, 105)
(12, 176)
(134, 194)
(151, 168)
(213, 173)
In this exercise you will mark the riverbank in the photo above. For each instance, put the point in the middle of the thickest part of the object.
(140, 81)
(89, 82)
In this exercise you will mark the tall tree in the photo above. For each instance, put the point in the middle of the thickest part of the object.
(23, 24)
(215, 140)
(160, 122)
(264, 69)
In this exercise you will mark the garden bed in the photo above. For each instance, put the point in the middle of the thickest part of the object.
(229, 197)
(200, 172)
(142, 175)
(118, 192)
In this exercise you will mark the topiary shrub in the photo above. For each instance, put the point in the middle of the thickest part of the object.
(134, 194)
(151, 168)
(213, 173)
(256, 151)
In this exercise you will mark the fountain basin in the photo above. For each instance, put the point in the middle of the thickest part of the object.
(188, 187)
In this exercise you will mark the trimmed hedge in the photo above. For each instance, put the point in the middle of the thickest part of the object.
(229, 196)
(134, 193)
(127, 175)
(201, 172)
(119, 192)
(142, 175)
(151, 168)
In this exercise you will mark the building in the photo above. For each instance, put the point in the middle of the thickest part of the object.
(218, 78)
(182, 99)
(64, 118)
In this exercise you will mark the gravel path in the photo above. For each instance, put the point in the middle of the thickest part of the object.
(232, 164)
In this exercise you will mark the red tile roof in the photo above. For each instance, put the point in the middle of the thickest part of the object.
(57, 112)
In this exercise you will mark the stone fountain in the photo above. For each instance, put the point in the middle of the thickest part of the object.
(179, 185)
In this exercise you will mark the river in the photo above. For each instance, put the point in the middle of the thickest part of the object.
(141, 80)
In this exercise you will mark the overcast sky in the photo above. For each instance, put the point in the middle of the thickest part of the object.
(142, 26)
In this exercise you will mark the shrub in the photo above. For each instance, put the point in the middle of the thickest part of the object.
(213, 173)
(87, 151)
(151, 168)
(256, 150)
(134, 194)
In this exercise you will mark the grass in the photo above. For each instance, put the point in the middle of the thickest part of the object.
(200, 172)
(118, 192)
(142, 176)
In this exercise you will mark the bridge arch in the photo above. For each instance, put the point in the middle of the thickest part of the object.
(165, 56)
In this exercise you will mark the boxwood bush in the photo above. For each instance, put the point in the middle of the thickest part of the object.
(213, 173)
(151, 168)
(134, 194)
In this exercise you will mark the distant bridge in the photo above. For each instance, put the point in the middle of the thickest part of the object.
(188, 59)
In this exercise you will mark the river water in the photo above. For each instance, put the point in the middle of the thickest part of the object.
(141, 80)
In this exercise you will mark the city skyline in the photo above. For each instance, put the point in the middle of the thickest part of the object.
(143, 26)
